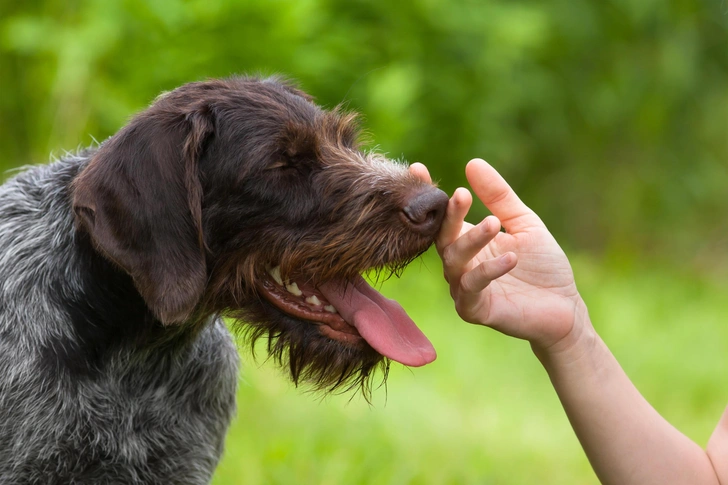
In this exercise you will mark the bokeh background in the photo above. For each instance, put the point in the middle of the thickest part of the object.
(610, 118)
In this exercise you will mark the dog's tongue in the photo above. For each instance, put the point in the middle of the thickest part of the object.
(380, 321)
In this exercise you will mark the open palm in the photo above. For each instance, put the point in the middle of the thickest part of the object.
(518, 282)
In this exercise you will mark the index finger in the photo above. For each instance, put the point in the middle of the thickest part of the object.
(499, 197)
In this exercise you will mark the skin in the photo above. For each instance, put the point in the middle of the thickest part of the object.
(520, 283)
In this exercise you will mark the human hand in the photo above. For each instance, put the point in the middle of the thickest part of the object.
(519, 282)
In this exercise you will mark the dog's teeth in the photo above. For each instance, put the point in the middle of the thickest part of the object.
(293, 289)
(276, 274)
(330, 309)
(313, 300)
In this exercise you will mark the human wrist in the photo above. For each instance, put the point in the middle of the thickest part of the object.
(580, 341)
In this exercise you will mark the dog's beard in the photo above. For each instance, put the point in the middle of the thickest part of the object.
(342, 339)
(312, 358)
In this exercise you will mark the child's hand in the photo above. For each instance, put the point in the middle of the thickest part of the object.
(518, 282)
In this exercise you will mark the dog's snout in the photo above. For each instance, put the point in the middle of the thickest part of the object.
(425, 210)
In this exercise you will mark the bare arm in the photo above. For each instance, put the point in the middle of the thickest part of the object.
(625, 439)
(521, 283)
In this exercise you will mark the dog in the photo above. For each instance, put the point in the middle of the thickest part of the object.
(237, 198)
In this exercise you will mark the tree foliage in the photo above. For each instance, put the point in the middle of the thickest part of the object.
(610, 118)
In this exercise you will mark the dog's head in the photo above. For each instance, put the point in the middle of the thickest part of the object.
(242, 197)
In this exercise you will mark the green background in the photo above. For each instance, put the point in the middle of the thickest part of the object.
(610, 118)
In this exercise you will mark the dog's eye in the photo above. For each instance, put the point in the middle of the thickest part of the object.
(278, 164)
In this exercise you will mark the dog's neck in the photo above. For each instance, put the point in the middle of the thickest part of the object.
(105, 313)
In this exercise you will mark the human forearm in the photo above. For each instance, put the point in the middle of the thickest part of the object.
(625, 439)
(520, 283)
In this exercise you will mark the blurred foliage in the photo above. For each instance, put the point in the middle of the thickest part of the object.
(610, 118)
(484, 412)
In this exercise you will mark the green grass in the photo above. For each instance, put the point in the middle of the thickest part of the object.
(484, 412)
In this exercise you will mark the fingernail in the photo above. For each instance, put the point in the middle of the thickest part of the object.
(506, 259)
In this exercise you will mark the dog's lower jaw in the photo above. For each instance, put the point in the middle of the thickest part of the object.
(305, 302)
(314, 357)
(352, 339)
(349, 310)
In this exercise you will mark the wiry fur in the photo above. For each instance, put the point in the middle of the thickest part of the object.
(117, 264)
(111, 403)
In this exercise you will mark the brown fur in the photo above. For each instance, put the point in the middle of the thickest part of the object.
(218, 180)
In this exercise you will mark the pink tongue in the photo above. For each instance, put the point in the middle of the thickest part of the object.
(382, 322)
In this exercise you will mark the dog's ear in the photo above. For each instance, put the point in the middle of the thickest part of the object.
(139, 198)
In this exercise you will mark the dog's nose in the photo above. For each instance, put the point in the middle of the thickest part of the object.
(425, 210)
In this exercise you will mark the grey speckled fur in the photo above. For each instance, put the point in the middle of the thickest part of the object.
(148, 414)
